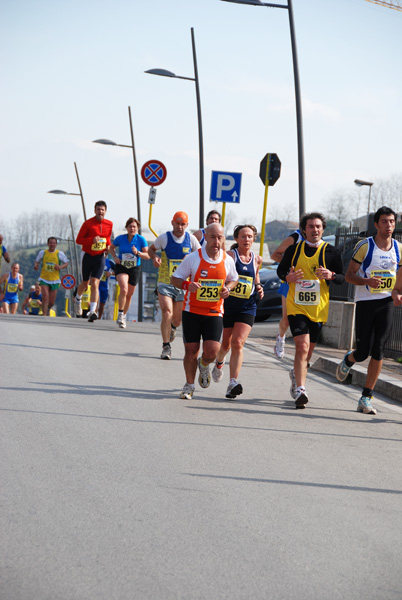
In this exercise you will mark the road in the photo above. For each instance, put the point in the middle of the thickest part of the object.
(113, 488)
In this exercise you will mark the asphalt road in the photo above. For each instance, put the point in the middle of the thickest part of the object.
(113, 488)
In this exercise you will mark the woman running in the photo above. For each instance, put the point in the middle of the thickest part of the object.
(240, 308)
(132, 248)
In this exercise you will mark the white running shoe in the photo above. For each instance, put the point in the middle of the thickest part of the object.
(92, 316)
(217, 371)
(123, 323)
(120, 317)
(78, 308)
(301, 397)
(166, 353)
(280, 346)
(234, 389)
(204, 378)
(293, 386)
(187, 392)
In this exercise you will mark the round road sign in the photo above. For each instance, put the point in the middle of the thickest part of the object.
(153, 172)
(68, 281)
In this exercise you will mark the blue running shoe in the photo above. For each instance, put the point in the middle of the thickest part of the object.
(364, 405)
(342, 370)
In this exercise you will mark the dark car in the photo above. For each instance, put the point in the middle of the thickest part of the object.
(272, 301)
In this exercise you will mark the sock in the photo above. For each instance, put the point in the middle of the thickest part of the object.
(191, 385)
(281, 337)
(367, 392)
(233, 380)
(166, 344)
(173, 327)
(78, 298)
(219, 364)
(92, 306)
(347, 361)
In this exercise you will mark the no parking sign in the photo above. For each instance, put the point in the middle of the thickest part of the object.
(68, 281)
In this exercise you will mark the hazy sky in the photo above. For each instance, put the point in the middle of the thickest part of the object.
(70, 69)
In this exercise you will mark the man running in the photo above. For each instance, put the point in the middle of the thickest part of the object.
(95, 238)
(33, 302)
(175, 246)
(3, 251)
(212, 217)
(308, 267)
(14, 283)
(212, 275)
(52, 261)
(372, 269)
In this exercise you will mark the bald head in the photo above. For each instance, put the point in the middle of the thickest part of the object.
(214, 238)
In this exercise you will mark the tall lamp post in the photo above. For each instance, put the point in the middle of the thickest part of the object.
(137, 191)
(73, 194)
(165, 73)
(360, 183)
(299, 120)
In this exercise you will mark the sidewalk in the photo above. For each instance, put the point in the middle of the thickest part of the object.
(326, 359)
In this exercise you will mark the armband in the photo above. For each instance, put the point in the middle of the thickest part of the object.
(184, 285)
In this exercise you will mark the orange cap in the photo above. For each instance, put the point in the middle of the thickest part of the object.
(181, 215)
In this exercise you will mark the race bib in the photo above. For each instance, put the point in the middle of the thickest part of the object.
(307, 292)
(50, 267)
(243, 287)
(173, 264)
(128, 260)
(387, 281)
(12, 287)
(209, 290)
(101, 245)
(103, 278)
(35, 303)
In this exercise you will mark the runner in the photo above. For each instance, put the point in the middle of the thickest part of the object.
(212, 276)
(3, 251)
(175, 246)
(372, 269)
(53, 261)
(14, 283)
(308, 267)
(212, 217)
(33, 302)
(108, 271)
(277, 255)
(239, 308)
(132, 248)
(94, 237)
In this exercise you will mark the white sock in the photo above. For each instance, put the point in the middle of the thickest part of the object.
(92, 306)
(78, 298)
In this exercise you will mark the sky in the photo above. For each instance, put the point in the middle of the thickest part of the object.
(70, 70)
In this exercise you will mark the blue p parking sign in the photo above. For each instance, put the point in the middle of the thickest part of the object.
(225, 187)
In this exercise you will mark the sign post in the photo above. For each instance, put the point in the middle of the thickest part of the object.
(153, 173)
(225, 188)
(270, 171)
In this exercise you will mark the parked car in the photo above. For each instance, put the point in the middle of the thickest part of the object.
(272, 301)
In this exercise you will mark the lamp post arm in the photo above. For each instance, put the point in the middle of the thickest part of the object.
(200, 140)
(82, 197)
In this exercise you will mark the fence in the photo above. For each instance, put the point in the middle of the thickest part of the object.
(345, 242)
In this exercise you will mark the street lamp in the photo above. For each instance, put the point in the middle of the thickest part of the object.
(132, 146)
(165, 73)
(360, 183)
(137, 191)
(72, 194)
(299, 120)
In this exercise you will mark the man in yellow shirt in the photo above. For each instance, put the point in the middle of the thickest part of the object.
(52, 261)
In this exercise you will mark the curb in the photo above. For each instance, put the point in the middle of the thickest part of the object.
(387, 384)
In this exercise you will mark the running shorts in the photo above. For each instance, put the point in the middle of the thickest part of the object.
(196, 327)
(92, 266)
(302, 325)
(133, 273)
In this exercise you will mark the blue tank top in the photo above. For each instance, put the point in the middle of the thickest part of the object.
(11, 294)
(243, 299)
